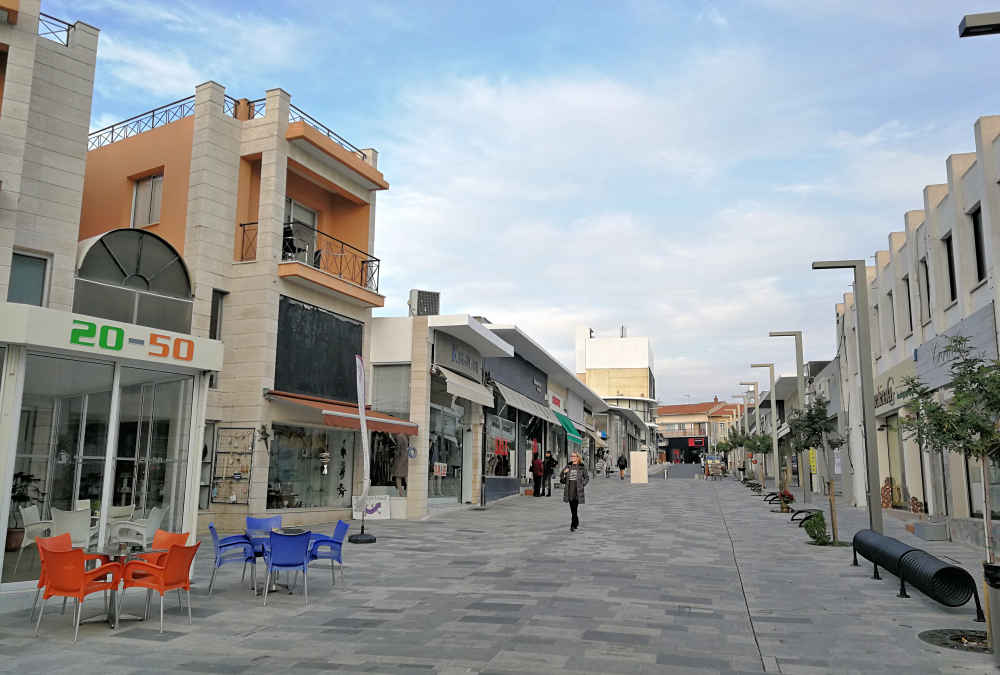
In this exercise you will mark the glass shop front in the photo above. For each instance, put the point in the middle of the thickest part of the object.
(98, 431)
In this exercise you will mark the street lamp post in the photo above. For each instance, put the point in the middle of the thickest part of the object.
(774, 422)
(800, 372)
(756, 413)
(867, 383)
(743, 427)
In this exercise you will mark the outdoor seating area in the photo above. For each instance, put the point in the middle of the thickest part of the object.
(161, 562)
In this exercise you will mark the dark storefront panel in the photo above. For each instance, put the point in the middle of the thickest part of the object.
(520, 376)
(315, 352)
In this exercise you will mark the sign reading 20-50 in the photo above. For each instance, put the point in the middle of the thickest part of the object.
(112, 338)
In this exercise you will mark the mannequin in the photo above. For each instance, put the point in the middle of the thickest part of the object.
(401, 464)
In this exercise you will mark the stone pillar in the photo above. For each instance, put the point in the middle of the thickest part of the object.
(420, 414)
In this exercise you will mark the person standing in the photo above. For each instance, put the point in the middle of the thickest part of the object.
(574, 478)
(622, 465)
(537, 471)
(550, 468)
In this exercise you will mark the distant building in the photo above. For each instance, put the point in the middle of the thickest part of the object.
(620, 369)
(689, 429)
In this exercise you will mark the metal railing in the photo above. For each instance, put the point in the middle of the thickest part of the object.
(297, 115)
(258, 108)
(248, 241)
(157, 117)
(229, 105)
(305, 244)
(54, 29)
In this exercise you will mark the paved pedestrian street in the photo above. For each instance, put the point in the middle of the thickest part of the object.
(648, 585)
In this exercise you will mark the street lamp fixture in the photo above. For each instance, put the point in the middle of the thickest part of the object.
(800, 373)
(756, 403)
(774, 420)
(973, 25)
(867, 382)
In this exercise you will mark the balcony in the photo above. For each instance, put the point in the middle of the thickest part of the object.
(318, 259)
(54, 29)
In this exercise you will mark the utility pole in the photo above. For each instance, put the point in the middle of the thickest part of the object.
(774, 422)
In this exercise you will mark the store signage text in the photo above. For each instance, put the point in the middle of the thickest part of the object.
(452, 353)
(556, 401)
(886, 394)
(112, 338)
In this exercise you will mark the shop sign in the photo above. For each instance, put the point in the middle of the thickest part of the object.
(888, 384)
(454, 354)
(375, 507)
(556, 402)
(933, 363)
(812, 461)
(40, 326)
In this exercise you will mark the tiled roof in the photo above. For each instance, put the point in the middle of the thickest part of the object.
(689, 408)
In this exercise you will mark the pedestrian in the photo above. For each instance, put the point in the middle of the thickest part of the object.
(622, 465)
(574, 479)
(537, 471)
(550, 468)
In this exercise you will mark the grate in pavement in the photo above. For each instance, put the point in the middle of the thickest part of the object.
(955, 638)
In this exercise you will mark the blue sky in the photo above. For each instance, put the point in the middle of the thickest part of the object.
(670, 166)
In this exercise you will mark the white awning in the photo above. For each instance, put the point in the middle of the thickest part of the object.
(525, 404)
(459, 385)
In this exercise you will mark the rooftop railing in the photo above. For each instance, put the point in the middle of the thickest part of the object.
(54, 29)
(151, 119)
(297, 115)
(229, 105)
(258, 108)
(305, 244)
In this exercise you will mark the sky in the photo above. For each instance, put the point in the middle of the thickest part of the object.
(673, 167)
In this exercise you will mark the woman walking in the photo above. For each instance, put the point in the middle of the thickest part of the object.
(574, 478)
(622, 465)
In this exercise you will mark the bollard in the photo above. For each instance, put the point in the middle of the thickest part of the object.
(991, 577)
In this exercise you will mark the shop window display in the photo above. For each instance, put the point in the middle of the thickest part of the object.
(500, 444)
(310, 468)
(975, 474)
(389, 461)
(445, 464)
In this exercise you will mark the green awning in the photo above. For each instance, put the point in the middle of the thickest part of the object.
(571, 432)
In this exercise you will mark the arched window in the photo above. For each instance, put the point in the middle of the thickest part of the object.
(134, 276)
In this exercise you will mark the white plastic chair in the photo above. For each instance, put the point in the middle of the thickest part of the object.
(77, 523)
(141, 530)
(34, 526)
(120, 514)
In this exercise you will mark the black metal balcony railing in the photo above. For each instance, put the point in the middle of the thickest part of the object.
(305, 244)
(258, 108)
(248, 241)
(157, 117)
(297, 115)
(54, 29)
(229, 105)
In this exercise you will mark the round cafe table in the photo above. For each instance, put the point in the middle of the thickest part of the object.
(122, 553)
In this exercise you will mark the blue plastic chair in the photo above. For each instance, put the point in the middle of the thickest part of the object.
(323, 547)
(287, 552)
(261, 525)
(232, 549)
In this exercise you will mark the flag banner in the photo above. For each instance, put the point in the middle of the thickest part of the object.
(366, 479)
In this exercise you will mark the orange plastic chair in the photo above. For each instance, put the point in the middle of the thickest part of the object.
(66, 576)
(173, 575)
(61, 542)
(164, 540)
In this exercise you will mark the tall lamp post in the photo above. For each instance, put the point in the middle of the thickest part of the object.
(756, 412)
(800, 372)
(743, 426)
(867, 383)
(774, 421)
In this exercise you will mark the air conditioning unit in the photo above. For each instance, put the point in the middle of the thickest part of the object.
(424, 303)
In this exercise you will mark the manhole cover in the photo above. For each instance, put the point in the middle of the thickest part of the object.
(955, 638)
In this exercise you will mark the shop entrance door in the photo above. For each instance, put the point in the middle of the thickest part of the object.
(897, 481)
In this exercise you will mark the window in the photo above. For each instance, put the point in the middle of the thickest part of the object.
(977, 242)
(134, 276)
(924, 290)
(146, 201)
(3, 69)
(27, 279)
(949, 250)
(310, 468)
(909, 304)
(892, 318)
(877, 338)
(299, 238)
(215, 326)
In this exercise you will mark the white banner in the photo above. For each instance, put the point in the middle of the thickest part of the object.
(366, 480)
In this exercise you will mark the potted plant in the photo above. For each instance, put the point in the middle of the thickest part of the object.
(24, 490)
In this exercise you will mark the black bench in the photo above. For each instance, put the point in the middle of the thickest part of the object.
(806, 515)
(948, 584)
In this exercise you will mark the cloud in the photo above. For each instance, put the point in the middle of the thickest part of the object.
(713, 16)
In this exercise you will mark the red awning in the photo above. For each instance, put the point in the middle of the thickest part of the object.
(346, 416)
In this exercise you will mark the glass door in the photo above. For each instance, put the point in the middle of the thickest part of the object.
(59, 459)
(300, 233)
(896, 478)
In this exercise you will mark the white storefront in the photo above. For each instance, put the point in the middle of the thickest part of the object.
(98, 415)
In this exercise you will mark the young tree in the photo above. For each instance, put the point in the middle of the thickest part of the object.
(812, 428)
(967, 422)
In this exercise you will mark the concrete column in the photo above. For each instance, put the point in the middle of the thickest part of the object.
(420, 414)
